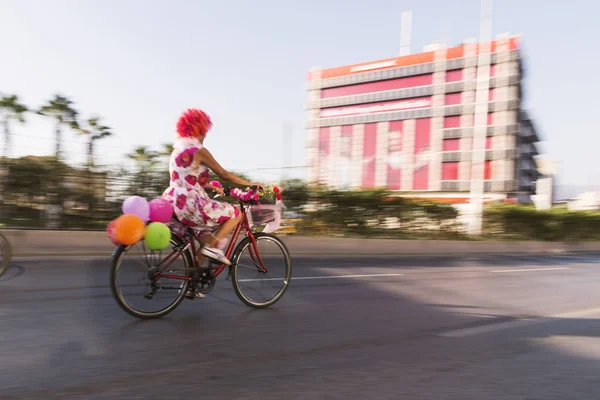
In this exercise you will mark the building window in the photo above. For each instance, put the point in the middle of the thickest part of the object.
(452, 122)
(487, 171)
(453, 99)
(454, 75)
(451, 145)
(450, 171)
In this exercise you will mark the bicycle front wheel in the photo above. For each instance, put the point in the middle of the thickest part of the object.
(261, 274)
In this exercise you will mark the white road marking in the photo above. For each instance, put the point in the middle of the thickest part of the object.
(519, 323)
(322, 277)
(530, 269)
(488, 328)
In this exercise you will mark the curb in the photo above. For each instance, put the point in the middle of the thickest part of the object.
(61, 244)
(107, 256)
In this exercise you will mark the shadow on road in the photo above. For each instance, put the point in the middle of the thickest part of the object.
(12, 272)
(339, 339)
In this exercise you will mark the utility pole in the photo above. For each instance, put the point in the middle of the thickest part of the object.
(481, 112)
(287, 150)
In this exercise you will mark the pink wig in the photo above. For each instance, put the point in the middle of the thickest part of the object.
(193, 123)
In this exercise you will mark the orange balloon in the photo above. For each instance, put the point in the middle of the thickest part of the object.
(129, 229)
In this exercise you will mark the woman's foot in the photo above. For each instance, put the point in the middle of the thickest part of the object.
(215, 254)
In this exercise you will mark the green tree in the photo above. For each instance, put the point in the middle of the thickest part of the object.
(94, 131)
(145, 159)
(61, 109)
(148, 180)
(295, 193)
(10, 109)
(32, 184)
(167, 149)
(165, 153)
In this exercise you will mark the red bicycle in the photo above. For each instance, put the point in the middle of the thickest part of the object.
(162, 281)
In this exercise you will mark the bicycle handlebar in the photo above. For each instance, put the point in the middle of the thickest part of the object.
(227, 190)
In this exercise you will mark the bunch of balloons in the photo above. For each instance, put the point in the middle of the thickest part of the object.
(131, 227)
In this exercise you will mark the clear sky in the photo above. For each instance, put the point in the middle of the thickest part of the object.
(139, 63)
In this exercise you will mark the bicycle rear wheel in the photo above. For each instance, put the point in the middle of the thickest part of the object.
(5, 253)
(248, 277)
(133, 284)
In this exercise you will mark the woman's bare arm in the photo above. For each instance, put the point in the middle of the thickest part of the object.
(203, 156)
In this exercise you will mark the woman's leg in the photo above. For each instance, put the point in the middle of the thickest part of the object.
(225, 229)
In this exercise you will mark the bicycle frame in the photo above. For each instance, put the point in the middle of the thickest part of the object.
(191, 242)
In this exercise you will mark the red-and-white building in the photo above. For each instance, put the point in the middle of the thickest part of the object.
(407, 123)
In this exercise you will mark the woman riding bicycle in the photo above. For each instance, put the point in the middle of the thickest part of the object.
(189, 170)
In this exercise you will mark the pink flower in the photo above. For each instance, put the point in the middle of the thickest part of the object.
(235, 192)
(205, 216)
(204, 177)
(188, 222)
(186, 157)
(216, 184)
(171, 192)
(191, 179)
(215, 205)
(223, 218)
(174, 176)
(181, 200)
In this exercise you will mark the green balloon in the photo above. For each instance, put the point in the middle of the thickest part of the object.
(157, 236)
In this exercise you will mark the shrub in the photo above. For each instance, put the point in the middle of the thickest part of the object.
(519, 222)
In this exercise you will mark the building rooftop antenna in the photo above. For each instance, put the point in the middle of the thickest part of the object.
(405, 32)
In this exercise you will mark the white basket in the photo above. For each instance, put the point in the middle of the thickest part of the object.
(267, 215)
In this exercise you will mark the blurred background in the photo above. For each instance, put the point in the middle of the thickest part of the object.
(466, 128)
(380, 124)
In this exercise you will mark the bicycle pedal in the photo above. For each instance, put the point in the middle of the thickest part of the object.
(194, 295)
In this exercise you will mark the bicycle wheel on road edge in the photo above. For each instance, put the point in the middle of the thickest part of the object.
(5, 253)
(276, 259)
(183, 266)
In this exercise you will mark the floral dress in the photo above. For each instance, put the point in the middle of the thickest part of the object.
(191, 204)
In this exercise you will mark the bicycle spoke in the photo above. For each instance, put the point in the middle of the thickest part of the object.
(151, 296)
(256, 267)
(259, 286)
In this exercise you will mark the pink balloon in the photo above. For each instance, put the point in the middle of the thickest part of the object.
(161, 210)
(111, 231)
(137, 206)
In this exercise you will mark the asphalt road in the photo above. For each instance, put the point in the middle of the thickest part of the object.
(387, 328)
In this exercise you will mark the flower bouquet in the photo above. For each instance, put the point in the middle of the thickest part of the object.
(271, 194)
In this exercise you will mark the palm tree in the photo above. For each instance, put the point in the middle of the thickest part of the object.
(165, 153)
(145, 181)
(144, 158)
(167, 149)
(10, 109)
(94, 131)
(60, 108)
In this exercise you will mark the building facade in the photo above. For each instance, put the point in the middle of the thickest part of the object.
(408, 123)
